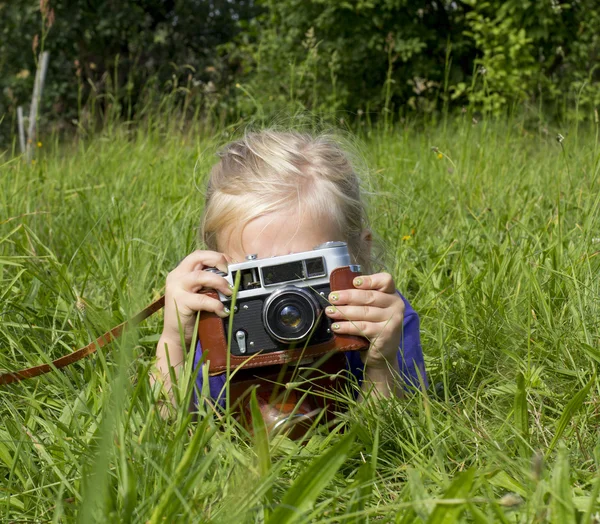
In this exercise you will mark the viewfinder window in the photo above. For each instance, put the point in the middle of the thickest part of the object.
(283, 273)
(315, 267)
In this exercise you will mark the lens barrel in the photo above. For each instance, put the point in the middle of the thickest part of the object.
(290, 314)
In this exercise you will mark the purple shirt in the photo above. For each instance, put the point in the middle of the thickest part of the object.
(410, 358)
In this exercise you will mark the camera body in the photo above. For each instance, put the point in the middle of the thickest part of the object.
(280, 300)
(278, 318)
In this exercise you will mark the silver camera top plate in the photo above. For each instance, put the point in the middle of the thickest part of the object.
(305, 269)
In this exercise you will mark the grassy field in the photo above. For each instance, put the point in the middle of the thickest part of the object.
(492, 231)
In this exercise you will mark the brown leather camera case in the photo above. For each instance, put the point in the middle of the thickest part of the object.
(211, 333)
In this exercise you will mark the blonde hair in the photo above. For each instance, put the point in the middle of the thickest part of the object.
(269, 171)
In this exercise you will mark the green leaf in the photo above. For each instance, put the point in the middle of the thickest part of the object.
(591, 351)
(261, 447)
(449, 512)
(479, 517)
(592, 503)
(419, 496)
(561, 504)
(304, 491)
(408, 517)
(521, 416)
(572, 407)
(503, 480)
(9, 262)
(363, 483)
(362, 487)
(201, 436)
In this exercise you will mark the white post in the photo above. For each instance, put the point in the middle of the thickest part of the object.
(21, 123)
(40, 76)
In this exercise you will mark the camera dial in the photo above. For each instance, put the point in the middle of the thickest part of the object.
(290, 314)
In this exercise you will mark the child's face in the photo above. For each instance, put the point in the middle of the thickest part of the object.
(278, 234)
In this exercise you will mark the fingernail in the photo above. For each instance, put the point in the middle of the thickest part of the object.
(224, 313)
(335, 326)
(330, 310)
(231, 286)
(333, 297)
(358, 282)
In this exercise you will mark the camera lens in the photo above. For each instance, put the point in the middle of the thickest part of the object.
(290, 314)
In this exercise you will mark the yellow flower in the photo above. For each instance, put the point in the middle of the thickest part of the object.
(405, 238)
(238, 85)
(39, 144)
(33, 161)
(440, 156)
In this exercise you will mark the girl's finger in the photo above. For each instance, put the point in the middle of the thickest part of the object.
(355, 313)
(200, 302)
(369, 330)
(200, 259)
(362, 297)
(197, 280)
(379, 282)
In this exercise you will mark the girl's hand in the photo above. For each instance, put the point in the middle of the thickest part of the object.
(373, 310)
(182, 295)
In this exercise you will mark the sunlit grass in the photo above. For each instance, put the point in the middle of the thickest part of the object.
(496, 245)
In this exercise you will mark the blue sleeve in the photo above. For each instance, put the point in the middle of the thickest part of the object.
(410, 353)
(215, 383)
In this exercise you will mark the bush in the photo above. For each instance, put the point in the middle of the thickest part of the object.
(112, 50)
(255, 57)
(361, 55)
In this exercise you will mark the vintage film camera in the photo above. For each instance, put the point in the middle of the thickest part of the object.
(280, 300)
(279, 310)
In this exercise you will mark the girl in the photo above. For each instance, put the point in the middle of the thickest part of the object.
(273, 193)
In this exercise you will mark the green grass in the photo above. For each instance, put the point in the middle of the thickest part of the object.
(496, 245)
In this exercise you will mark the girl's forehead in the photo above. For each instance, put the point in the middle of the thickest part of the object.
(277, 234)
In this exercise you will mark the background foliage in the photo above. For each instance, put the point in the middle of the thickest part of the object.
(256, 56)
(118, 54)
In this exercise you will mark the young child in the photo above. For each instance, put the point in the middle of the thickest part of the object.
(273, 193)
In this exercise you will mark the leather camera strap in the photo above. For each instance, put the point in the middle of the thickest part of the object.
(101, 341)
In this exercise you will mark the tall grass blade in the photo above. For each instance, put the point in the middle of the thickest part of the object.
(521, 416)
(571, 408)
(303, 493)
(261, 448)
(561, 504)
(201, 436)
(457, 492)
(363, 483)
(593, 503)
